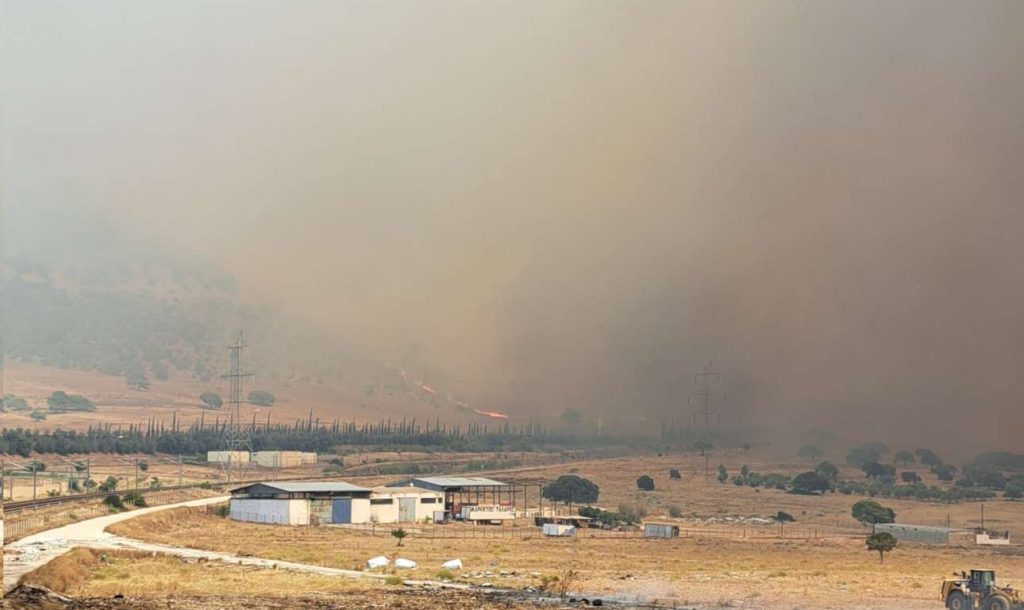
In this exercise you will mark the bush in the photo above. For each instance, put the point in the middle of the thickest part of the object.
(445, 574)
(645, 483)
(223, 510)
(206, 485)
(723, 474)
(211, 400)
(675, 512)
(674, 473)
(883, 542)
(114, 502)
(261, 398)
(784, 517)
(1014, 492)
(135, 498)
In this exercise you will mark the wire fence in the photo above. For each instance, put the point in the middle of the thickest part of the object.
(523, 532)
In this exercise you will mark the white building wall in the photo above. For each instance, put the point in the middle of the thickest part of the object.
(222, 457)
(384, 513)
(360, 510)
(281, 512)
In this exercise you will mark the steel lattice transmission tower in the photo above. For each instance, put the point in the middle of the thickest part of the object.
(706, 394)
(237, 438)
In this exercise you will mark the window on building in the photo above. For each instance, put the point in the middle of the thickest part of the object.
(382, 501)
(428, 500)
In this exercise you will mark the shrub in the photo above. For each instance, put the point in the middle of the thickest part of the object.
(114, 502)
(261, 398)
(723, 474)
(674, 473)
(1014, 492)
(675, 512)
(445, 574)
(399, 534)
(135, 498)
(645, 483)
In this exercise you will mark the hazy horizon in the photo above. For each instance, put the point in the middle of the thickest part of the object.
(563, 205)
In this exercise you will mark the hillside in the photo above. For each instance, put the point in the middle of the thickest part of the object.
(87, 323)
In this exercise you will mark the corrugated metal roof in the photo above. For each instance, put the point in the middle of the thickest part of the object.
(311, 486)
(458, 481)
(393, 489)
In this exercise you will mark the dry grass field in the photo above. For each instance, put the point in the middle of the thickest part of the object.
(179, 396)
(93, 579)
(831, 570)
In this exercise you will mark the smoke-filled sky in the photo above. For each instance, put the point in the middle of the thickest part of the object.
(574, 203)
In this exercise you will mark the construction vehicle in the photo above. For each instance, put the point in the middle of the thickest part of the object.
(978, 591)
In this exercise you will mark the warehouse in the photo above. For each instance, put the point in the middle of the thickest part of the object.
(459, 492)
(404, 504)
(301, 503)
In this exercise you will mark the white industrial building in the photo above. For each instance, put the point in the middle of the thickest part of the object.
(404, 504)
(301, 503)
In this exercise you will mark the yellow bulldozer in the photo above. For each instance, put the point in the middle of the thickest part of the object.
(978, 591)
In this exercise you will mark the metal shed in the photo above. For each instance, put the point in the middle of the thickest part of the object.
(661, 530)
(301, 503)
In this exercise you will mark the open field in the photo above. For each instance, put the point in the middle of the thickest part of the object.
(707, 498)
(92, 579)
(179, 396)
(830, 569)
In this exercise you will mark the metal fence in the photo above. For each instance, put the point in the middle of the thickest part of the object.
(456, 531)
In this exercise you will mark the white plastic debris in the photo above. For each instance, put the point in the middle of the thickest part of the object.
(379, 561)
(454, 564)
(408, 564)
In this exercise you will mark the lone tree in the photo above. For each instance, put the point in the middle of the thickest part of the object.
(399, 534)
(645, 483)
(874, 470)
(723, 474)
(570, 488)
(870, 512)
(1013, 492)
(211, 400)
(883, 542)
(261, 398)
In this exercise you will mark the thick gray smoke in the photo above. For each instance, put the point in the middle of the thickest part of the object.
(574, 204)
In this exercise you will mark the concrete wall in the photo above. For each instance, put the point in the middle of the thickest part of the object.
(222, 457)
(282, 512)
(308, 458)
(384, 513)
(278, 459)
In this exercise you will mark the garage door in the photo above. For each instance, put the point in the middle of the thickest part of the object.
(342, 512)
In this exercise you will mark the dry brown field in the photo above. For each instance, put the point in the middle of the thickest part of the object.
(813, 566)
(179, 397)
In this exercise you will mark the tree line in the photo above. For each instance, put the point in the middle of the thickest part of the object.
(202, 435)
